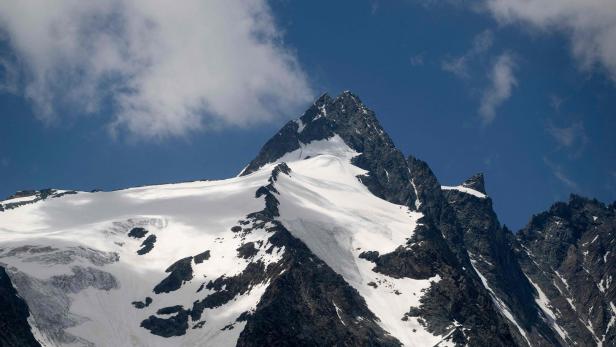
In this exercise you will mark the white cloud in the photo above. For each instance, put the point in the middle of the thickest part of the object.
(556, 102)
(590, 25)
(502, 81)
(9, 76)
(571, 138)
(569, 135)
(374, 6)
(417, 59)
(560, 174)
(458, 66)
(167, 68)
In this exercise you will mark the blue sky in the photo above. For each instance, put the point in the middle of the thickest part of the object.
(528, 98)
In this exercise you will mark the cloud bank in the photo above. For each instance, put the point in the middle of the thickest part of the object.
(166, 68)
(589, 24)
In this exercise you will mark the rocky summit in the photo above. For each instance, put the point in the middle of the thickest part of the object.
(331, 236)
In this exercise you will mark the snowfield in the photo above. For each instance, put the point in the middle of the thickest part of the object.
(72, 261)
(326, 206)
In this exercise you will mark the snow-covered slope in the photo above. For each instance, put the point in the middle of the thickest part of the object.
(326, 206)
(76, 259)
(73, 261)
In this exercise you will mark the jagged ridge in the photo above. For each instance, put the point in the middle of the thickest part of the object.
(306, 262)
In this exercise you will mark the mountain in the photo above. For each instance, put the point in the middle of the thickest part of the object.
(330, 236)
(567, 255)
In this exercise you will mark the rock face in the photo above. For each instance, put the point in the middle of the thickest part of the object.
(25, 197)
(552, 279)
(568, 254)
(14, 327)
(262, 260)
(476, 183)
(490, 248)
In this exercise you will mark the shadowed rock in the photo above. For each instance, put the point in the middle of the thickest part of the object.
(476, 182)
(147, 245)
(201, 257)
(247, 250)
(142, 304)
(137, 233)
(14, 327)
(179, 272)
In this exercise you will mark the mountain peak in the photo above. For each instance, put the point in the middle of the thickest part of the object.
(356, 127)
(476, 182)
(348, 96)
(341, 109)
(322, 100)
(344, 115)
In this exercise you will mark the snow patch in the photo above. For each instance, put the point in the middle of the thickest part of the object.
(333, 146)
(612, 318)
(300, 125)
(417, 202)
(338, 313)
(466, 190)
(563, 280)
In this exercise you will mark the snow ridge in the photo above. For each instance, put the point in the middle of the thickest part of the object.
(466, 190)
